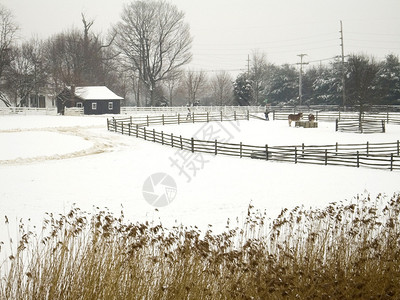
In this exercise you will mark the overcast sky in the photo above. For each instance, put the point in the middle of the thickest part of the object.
(226, 31)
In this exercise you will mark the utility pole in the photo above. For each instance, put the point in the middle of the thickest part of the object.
(343, 69)
(301, 74)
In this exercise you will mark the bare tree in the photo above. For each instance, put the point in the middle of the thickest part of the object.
(194, 82)
(171, 83)
(27, 74)
(80, 57)
(8, 31)
(258, 74)
(154, 39)
(222, 88)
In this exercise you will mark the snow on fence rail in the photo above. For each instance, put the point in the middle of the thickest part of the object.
(371, 155)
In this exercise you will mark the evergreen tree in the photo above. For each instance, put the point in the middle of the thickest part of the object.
(242, 88)
(282, 84)
(327, 86)
(361, 81)
(389, 80)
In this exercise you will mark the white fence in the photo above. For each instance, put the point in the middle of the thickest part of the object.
(128, 110)
(174, 110)
(73, 111)
(27, 111)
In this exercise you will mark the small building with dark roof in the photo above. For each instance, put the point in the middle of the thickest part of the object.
(95, 100)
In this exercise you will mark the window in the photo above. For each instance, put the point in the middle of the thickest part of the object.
(79, 104)
(110, 106)
(94, 106)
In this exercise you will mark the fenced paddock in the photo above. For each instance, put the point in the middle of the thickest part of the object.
(371, 155)
(361, 126)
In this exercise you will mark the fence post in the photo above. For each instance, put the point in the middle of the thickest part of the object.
(234, 115)
(180, 141)
(172, 140)
(144, 132)
(358, 159)
(302, 149)
(326, 157)
(295, 155)
(193, 117)
(216, 146)
(122, 127)
(383, 126)
(221, 115)
(273, 115)
(137, 130)
(130, 119)
(387, 117)
(154, 135)
(339, 114)
(248, 115)
(162, 137)
(208, 117)
(398, 147)
(192, 141)
(115, 125)
(240, 150)
(266, 152)
(391, 161)
(179, 119)
(337, 147)
(367, 148)
(129, 129)
(163, 121)
(337, 125)
(147, 119)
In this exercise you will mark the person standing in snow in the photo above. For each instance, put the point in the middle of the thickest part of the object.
(266, 113)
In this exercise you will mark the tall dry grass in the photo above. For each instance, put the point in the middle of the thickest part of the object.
(344, 251)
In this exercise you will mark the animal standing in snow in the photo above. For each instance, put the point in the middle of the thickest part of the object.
(311, 118)
(294, 117)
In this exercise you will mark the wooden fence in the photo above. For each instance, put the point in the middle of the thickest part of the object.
(192, 117)
(371, 155)
(363, 126)
(332, 116)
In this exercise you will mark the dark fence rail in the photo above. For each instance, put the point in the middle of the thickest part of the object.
(332, 116)
(371, 155)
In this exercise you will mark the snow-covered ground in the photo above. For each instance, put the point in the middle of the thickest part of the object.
(48, 163)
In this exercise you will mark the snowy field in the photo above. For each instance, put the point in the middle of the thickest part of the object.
(49, 163)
